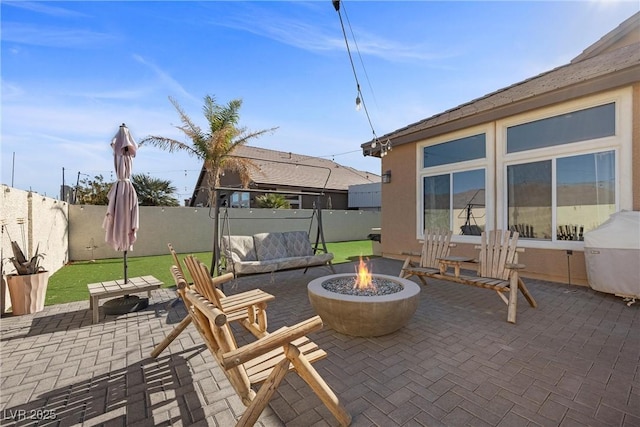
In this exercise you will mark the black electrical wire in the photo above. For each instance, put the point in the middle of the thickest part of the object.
(336, 5)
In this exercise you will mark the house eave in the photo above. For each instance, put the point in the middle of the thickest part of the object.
(592, 86)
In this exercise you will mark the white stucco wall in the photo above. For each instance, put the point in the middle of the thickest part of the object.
(34, 221)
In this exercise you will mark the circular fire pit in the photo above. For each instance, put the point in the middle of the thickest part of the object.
(364, 315)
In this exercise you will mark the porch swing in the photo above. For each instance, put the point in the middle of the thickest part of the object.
(268, 252)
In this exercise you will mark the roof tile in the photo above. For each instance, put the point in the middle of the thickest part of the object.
(290, 169)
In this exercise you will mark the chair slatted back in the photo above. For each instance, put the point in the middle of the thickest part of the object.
(202, 279)
(176, 260)
(437, 243)
(204, 284)
(201, 321)
(497, 249)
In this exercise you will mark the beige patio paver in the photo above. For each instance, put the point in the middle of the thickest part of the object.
(574, 360)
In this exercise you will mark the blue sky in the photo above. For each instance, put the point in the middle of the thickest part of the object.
(72, 72)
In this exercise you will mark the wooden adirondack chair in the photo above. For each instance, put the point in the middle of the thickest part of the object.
(248, 308)
(498, 269)
(437, 243)
(497, 265)
(265, 361)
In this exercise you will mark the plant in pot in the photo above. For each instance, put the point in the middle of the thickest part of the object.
(28, 285)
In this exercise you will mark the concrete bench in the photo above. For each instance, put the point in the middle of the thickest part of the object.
(116, 288)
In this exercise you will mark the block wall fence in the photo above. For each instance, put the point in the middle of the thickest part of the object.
(74, 232)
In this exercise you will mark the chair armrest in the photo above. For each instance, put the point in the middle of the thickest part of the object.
(272, 341)
(515, 266)
(211, 311)
(410, 253)
(219, 280)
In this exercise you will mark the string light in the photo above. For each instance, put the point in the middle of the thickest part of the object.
(385, 146)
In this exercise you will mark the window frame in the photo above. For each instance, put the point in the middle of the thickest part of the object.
(487, 164)
(620, 144)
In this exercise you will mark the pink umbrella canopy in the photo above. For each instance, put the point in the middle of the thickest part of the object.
(121, 220)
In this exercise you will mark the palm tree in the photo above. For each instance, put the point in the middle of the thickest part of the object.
(154, 191)
(214, 146)
(273, 201)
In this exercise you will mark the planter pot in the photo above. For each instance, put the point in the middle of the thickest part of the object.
(4, 297)
(27, 292)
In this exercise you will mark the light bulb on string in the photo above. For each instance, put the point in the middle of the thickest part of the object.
(360, 104)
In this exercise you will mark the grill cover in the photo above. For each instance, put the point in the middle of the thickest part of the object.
(612, 255)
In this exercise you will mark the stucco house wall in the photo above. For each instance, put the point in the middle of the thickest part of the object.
(606, 73)
(636, 148)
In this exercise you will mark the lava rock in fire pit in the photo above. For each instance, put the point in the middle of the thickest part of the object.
(347, 286)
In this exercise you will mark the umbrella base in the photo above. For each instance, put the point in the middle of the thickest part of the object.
(125, 304)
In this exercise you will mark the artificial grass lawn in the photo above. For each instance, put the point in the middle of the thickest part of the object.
(70, 282)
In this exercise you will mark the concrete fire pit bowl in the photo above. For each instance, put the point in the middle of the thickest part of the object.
(364, 316)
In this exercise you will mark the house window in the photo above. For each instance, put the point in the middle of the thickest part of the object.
(468, 201)
(529, 199)
(455, 201)
(240, 200)
(295, 202)
(563, 197)
(586, 193)
(457, 150)
(436, 201)
(590, 123)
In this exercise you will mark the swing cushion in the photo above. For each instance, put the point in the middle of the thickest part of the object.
(270, 246)
(240, 248)
(269, 252)
(298, 243)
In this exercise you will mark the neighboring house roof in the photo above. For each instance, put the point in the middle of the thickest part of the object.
(285, 169)
(611, 62)
(295, 170)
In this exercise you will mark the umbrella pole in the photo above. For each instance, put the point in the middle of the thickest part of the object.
(126, 279)
(127, 303)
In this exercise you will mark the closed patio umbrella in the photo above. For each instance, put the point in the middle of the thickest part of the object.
(121, 220)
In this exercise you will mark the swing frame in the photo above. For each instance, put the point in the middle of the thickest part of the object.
(319, 245)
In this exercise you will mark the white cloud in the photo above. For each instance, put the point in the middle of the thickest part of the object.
(37, 35)
(44, 8)
(303, 33)
(172, 84)
(10, 90)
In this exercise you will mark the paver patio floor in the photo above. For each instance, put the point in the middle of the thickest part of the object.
(573, 361)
